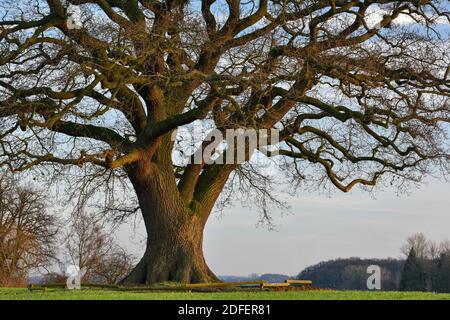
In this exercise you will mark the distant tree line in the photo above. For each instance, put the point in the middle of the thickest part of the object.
(269, 277)
(351, 273)
(426, 268)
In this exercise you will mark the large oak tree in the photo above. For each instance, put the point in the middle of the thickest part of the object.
(358, 90)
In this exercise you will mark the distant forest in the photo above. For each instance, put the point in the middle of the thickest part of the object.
(351, 274)
(269, 277)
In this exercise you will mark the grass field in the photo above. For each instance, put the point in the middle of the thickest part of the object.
(89, 294)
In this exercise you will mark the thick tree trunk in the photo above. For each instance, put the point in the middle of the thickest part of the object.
(174, 233)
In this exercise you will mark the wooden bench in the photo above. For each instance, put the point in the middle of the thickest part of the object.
(295, 282)
(226, 284)
(275, 285)
(288, 285)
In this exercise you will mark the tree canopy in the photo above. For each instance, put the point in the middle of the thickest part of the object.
(351, 91)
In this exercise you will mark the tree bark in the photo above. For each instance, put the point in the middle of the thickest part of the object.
(174, 250)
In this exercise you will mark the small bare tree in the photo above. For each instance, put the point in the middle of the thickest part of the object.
(419, 243)
(89, 246)
(27, 232)
(86, 244)
(115, 266)
(425, 248)
(444, 247)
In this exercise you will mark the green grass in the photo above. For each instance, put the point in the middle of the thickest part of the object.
(89, 294)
